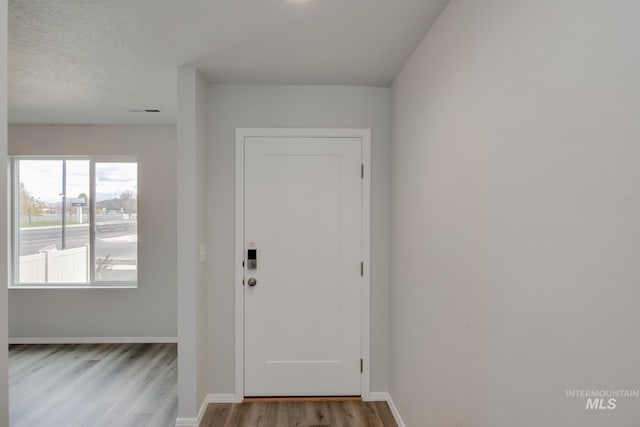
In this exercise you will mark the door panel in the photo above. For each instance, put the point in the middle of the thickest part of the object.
(303, 216)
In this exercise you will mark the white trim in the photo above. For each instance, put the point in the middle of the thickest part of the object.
(395, 412)
(365, 136)
(209, 398)
(221, 398)
(378, 396)
(101, 158)
(231, 398)
(93, 340)
(365, 303)
(14, 282)
(202, 410)
(241, 133)
(62, 286)
(386, 397)
(239, 272)
(187, 422)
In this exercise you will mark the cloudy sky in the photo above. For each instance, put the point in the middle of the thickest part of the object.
(43, 179)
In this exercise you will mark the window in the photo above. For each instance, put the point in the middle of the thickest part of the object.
(75, 221)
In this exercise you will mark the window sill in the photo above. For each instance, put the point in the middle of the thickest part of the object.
(64, 286)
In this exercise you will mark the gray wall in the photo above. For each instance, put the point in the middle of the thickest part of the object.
(149, 310)
(191, 296)
(4, 398)
(231, 107)
(515, 215)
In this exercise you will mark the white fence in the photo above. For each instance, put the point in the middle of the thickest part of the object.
(65, 266)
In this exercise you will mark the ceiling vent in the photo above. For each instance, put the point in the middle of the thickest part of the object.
(145, 110)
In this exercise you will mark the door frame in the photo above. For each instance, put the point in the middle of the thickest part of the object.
(365, 295)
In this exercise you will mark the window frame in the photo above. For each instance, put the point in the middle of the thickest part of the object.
(14, 251)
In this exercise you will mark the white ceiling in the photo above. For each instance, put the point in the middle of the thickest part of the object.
(91, 61)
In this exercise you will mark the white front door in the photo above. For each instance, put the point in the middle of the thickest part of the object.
(303, 227)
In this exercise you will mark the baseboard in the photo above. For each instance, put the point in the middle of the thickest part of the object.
(202, 410)
(186, 422)
(209, 398)
(221, 398)
(93, 340)
(231, 398)
(378, 396)
(386, 397)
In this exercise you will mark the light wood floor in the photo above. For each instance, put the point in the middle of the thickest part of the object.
(135, 385)
(93, 385)
(299, 414)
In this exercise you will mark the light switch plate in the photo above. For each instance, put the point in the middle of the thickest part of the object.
(203, 252)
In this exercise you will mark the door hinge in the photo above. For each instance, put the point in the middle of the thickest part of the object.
(362, 171)
(361, 365)
(362, 268)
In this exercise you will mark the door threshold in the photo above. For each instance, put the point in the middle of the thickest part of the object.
(288, 399)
